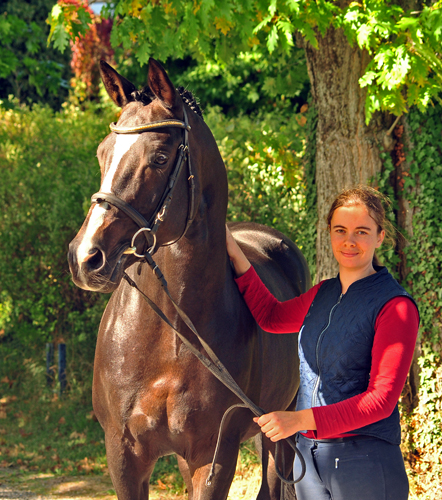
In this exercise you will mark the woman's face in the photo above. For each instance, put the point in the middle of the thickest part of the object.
(354, 238)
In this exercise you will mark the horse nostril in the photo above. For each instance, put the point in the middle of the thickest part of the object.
(94, 261)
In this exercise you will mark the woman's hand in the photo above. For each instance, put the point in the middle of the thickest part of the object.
(283, 424)
(239, 260)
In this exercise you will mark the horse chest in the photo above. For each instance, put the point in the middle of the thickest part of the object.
(168, 414)
(153, 389)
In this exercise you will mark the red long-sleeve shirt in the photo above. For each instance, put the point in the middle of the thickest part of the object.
(395, 336)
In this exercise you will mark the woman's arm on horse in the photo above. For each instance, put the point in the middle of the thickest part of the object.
(271, 315)
(240, 262)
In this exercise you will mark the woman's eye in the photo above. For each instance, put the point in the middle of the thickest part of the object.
(161, 159)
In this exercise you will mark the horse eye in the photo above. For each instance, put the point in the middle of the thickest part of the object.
(161, 159)
(105, 205)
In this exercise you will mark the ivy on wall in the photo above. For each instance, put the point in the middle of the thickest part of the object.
(424, 255)
(424, 259)
(421, 185)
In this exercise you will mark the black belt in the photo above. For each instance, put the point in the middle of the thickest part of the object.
(357, 437)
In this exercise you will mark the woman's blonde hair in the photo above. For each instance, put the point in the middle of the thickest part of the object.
(376, 204)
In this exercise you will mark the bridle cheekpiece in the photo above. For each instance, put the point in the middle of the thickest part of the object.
(151, 227)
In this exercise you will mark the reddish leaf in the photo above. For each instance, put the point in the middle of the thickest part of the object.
(161, 485)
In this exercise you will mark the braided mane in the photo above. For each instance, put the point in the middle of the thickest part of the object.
(146, 96)
(190, 100)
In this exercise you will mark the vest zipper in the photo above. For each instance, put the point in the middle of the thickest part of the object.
(316, 387)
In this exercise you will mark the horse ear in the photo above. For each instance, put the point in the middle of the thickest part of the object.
(162, 87)
(118, 88)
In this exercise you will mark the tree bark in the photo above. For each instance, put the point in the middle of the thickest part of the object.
(348, 151)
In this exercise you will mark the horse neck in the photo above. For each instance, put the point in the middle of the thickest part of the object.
(199, 259)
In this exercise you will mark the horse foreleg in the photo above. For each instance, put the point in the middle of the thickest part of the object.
(271, 484)
(225, 468)
(129, 472)
(187, 476)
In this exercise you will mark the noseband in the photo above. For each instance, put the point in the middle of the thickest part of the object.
(151, 227)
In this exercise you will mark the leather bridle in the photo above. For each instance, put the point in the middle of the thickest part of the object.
(211, 361)
(150, 228)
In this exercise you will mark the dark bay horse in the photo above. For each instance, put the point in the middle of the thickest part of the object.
(150, 393)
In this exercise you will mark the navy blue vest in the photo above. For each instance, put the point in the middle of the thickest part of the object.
(335, 346)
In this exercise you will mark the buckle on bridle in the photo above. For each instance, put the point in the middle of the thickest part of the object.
(132, 250)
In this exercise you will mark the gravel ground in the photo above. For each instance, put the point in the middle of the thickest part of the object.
(14, 485)
(8, 493)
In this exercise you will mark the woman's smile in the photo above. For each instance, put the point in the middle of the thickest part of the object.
(354, 239)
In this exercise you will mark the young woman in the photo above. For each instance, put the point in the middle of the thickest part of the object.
(357, 334)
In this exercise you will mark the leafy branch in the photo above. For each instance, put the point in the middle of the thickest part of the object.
(405, 68)
(68, 19)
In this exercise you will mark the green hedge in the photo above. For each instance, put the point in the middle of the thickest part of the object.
(265, 161)
(49, 171)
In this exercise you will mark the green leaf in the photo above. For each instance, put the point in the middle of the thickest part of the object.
(60, 38)
(262, 24)
(84, 16)
(56, 13)
(406, 23)
(144, 52)
(364, 36)
(272, 39)
(8, 62)
(5, 26)
(367, 79)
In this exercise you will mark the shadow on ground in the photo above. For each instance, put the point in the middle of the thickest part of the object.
(18, 485)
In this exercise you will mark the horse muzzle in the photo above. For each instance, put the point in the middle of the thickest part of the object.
(94, 271)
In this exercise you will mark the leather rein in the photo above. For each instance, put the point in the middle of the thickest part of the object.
(149, 228)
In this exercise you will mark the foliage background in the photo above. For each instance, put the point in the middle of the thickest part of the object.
(49, 171)
(47, 167)
(257, 106)
(422, 187)
(29, 69)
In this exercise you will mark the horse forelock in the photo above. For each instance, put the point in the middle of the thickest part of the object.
(145, 96)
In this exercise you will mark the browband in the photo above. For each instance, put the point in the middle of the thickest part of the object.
(148, 126)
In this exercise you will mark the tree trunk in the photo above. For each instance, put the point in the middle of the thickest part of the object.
(347, 149)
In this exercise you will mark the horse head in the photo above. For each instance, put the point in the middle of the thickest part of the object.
(149, 195)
